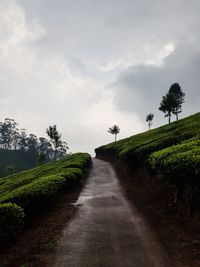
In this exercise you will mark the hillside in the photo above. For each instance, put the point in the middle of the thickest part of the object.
(171, 151)
(140, 146)
(27, 193)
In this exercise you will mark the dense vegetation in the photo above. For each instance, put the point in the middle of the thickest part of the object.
(37, 150)
(30, 191)
(12, 161)
(181, 165)
(173, 151)
(172, 102)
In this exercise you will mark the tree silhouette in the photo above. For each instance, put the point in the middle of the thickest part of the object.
(167, 105)
(178, 94)
(172, 101)
(149, 119)
(55, 138)
(114, 130)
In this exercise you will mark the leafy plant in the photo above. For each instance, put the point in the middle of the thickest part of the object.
(11, 220)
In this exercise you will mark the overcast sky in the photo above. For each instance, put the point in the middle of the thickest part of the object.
(88, 64)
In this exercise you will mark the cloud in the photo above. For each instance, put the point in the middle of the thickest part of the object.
(139, 88)
(86, 65)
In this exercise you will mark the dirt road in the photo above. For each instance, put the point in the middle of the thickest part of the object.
(106, 231)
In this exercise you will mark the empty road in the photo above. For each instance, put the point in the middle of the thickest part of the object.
(106, 231)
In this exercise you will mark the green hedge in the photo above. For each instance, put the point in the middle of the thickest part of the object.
(11, 220)
(42, 191)
(181, 161)
(35, 189)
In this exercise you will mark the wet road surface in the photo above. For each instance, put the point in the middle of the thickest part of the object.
(106, 231)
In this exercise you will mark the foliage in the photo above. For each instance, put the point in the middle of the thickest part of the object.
(177, 162)
(136, 149)
(114, 130)
(36, 188)
(166, 105)
(25, 151)
(178, 95)
(172, 102)
(11, 220)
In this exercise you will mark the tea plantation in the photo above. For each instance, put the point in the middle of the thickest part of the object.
(172, 151)
(26, 193)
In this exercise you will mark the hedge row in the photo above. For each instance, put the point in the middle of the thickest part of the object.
(178, 163)
(33, 190)
(11, 220)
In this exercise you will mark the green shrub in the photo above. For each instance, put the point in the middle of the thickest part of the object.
(37, 194)
(35, 189)
(181, 161)
(11, 220)
(42, 191)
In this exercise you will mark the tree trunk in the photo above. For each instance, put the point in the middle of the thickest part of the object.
(169, 115)
(115, 137)
(149, 125)
(177, 116)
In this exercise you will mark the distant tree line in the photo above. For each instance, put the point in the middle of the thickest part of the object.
(13, 138)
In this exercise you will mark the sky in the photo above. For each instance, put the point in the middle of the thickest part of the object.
(86, 65)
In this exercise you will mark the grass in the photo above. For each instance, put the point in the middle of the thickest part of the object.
(34, 189)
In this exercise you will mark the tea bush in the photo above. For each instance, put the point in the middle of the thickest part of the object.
(177, 162)
(11, 220)
(136, 149)
(34, 189)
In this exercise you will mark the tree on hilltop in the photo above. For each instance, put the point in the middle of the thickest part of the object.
(149, 119)
(172, 102)
(114, 130)
(178, 94)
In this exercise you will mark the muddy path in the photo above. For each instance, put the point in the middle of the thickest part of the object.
(106, 230)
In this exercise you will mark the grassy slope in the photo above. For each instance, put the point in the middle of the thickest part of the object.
(36, 188)
(136, 149)
(172, 151)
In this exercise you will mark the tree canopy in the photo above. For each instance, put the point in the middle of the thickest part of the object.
(172, 102)
(179, 96)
